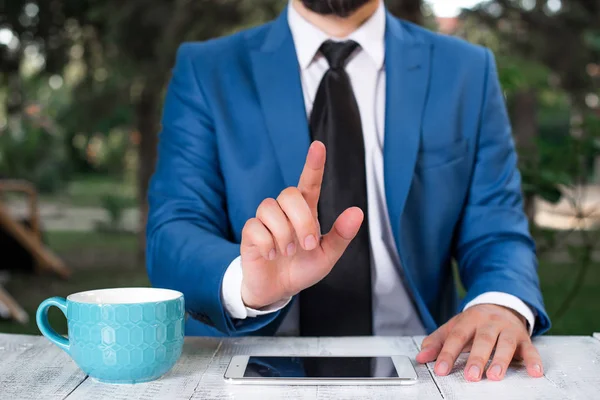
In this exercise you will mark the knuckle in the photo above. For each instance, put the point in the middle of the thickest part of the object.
(446, 355)
(486, 337)
(501, 360)
(489, 327)
(264, 242)
(528, 350)
(254, 235)
(269, 202)
(476, 311)
(257, 235)
(532, 353)
(478, 360)
(526, 345)
(508, 341)
(313, 186)
(496, 318)
(310, 185)
(249, 226)
(459, 335)
(288, 193)
(265, 207)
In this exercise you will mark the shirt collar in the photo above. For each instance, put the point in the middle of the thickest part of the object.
(308, 38)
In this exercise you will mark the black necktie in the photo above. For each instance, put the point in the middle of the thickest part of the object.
(340, 304)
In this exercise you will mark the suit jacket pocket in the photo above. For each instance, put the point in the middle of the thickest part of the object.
(442, 155)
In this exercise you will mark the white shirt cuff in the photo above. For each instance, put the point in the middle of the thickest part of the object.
(231, 294)
(508, 301)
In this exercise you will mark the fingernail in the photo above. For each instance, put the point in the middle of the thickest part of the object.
(310, 242)
(272, 254)
(291, 249)
(537, 368)
(474, 372)
(442, 368)
(496, 370)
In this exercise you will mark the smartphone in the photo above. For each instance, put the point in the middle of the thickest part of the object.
(320, 370)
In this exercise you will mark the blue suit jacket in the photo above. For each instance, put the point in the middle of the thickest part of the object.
(235, 132)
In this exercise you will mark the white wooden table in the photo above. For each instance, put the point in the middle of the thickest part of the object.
(33, 368)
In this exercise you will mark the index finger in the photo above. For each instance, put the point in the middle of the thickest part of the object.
(432, 345)
(312, 175)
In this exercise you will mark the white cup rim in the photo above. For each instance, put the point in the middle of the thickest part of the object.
(126, 295)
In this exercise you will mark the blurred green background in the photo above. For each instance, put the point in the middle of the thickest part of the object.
(81, 90)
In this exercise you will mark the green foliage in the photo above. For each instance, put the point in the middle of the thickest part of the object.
(592, 39)
(88, 190)
(113, 156)
(35, 155)
(551, 54)
(516, 73)
(104, 153)
(562, 160)
(542, 183)
(565, 42)
(115, 205)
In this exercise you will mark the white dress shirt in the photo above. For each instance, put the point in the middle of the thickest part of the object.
(393, 311)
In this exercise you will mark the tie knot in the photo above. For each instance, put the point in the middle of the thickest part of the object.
(337, 53)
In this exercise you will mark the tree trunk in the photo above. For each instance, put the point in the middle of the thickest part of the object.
(147, 113)
(525, 128)
(409, 10)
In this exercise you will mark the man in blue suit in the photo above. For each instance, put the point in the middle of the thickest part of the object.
(391, 140)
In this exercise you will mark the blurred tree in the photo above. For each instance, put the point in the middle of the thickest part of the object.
(31, 27)
(562, 35)
(123, 53)
(37, 157)
(130, 48)
(544, 48)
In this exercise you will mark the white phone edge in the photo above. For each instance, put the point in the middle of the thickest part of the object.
(404, 367)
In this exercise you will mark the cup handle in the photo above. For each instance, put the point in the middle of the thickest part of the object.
(41, 318)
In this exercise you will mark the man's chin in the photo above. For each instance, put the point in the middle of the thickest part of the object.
(340, 8)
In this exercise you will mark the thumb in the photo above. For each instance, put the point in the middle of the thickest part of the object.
(343, 231)
(432, 345)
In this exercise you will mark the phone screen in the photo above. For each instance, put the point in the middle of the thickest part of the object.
(320, 367)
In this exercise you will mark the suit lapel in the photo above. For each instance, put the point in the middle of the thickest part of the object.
(277, 78)
(407, 82)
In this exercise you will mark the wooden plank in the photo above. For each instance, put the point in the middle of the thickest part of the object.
(16, 344)
(29, 189)
(572, 371)
(572, 364)
(32, 368)
(16, 311)
(378, 346)
(31, 242)
(213, 386)
(179, 383)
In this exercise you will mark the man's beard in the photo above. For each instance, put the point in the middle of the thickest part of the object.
(340, 8)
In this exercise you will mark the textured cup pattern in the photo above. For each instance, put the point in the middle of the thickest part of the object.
(126, 343)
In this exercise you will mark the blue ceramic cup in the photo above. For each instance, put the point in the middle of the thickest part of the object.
(125, 335)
